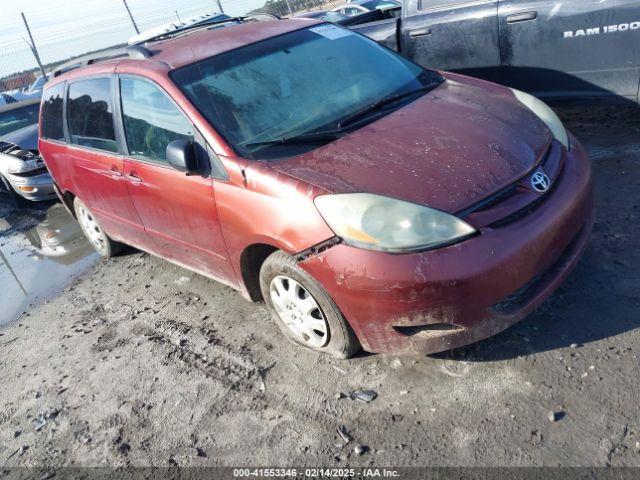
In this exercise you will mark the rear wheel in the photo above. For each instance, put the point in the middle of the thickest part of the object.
(303, 310)
(99, 240)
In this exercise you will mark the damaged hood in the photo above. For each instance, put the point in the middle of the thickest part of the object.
(448, 149)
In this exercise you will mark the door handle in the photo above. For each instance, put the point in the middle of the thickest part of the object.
(114, 172)
(522, 17)
(133, 178)
(420, 32)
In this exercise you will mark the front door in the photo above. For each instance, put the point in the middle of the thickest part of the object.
(460, 36)
(95, 163)
(573, 47)
(177, 210)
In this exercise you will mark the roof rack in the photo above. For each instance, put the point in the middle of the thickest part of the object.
(139, 51)
(203, 22)
(174, 30)
(88, 60)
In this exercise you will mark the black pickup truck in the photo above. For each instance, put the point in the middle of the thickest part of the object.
(557, 49)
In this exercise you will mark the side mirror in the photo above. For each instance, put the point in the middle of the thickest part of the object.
(182, 156)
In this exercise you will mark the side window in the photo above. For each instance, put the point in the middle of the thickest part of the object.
(432, 4)
(52, 113)
(151, 120)
(90, 114)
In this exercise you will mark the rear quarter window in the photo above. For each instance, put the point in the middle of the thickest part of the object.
(90, 114)
(52, 113)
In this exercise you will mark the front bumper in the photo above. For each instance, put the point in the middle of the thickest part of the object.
(479, 287)
(36, 188)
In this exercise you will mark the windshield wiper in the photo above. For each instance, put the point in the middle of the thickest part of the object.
(319, 137)
(378, 104)
(330, 135)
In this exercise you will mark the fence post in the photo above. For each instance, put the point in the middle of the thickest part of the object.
(289, 8)
(32, 46)
(131, 16)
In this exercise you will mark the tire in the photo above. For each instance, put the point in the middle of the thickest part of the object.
(4, 185)
(286, 289)
(18, 200)
(92, 230)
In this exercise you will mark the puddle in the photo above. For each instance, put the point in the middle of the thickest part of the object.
(39, 262)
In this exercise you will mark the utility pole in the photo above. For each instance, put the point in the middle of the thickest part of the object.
(32, 46)
(220, 6)
(289, 8)
(131, 16)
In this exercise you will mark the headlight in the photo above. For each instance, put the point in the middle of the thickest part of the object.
(24, 166)
(382, 223)
(544, 112)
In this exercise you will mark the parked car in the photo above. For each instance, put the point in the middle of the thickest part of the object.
(36, 87)
(356, 7)
(325, 15)
(367, 200)
(18, 115)
(33, 91)
(22, 170)
(557, 49)
(15, 96)
(214, 18)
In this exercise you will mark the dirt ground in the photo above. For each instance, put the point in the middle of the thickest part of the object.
(139, 362)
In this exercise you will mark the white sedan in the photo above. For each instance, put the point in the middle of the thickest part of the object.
(356, 7)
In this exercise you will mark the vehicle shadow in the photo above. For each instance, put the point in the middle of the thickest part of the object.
(539, 80)
(22, 215)
(581, 311)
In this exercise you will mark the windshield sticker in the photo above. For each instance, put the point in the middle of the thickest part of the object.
(331, 32)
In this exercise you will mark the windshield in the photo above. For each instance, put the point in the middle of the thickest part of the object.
(37, 85)
(299, 83)
(18, 118)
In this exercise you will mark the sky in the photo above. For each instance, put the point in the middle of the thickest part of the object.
(65, 28)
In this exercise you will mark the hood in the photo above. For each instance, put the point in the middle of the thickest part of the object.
(454, 146)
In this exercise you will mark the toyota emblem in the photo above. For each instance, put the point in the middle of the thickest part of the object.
(540, 182)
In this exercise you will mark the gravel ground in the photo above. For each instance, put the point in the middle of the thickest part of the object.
(139, 362)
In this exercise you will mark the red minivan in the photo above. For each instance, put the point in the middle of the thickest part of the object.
(370, 203)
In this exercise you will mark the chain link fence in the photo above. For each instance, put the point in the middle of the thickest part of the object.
(286, 8)
(90, 28)
(18, 65)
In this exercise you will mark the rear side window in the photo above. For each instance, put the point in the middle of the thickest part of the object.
(52, 113)
(90, 114)
(151, 120)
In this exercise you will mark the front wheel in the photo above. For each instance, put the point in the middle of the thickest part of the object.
(303, 310)
(99, 240)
